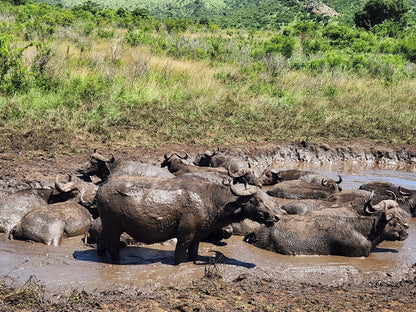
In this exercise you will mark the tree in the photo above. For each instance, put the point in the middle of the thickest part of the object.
(377, 11)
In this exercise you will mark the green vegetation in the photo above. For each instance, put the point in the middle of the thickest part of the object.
(376, 12)
(90, 75)
(252, 14)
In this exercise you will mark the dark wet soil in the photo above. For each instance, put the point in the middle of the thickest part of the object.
(235, 277)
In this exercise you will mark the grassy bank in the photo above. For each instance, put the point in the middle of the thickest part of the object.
(150, 84)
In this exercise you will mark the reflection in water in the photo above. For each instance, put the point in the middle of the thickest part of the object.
(75, 265)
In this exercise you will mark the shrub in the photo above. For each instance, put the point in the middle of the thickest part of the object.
(13, 74)
(281, 44)
(408, 48)
(376, 11)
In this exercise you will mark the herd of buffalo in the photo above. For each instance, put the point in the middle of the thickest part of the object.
(208, 197)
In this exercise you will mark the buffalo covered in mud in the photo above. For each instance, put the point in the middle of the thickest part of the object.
(207, 197)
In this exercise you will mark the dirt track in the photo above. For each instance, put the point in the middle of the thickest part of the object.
(212, 287)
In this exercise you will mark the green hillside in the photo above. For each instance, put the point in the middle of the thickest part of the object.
(234, 13)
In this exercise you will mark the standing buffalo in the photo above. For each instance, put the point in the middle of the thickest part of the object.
(154, 210)
(333, 231)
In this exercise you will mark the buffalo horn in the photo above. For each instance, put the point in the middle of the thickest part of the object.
(182, 156)
(402, 193)
(238, 189)
(239, 173)
(339, 179)
(324, 182)
(65, 187)
(102, 158)
(210, 154)
(168, 155)
(368, 207)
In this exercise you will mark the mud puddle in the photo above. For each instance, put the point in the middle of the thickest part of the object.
(76, 266)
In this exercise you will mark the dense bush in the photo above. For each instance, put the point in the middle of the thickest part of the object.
(375, 12)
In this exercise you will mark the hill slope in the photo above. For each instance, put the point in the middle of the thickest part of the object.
(245, 13)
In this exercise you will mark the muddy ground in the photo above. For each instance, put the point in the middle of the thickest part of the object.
(216, 285)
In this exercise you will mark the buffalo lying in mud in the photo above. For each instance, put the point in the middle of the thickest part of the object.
(217, 159)
(405, 197)
(48, 224)
(14, 206)
(333, 231)
(352, 199)
(174, 162)
(102, 167)
(271, 176)
(154, 210)
(298, 189)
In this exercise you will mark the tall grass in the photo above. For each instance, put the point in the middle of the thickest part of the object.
(220, 87)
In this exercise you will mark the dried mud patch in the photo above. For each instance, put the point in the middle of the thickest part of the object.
(207, 294)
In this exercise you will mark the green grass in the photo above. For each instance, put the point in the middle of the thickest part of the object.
(200, 86)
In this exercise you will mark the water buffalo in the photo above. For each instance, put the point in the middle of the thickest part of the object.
(189, 208)
(355, 200)
(217, 159)
(48, 224)
(14, 206)
(333, 231)
(174, 162)
(405, 197)
(101, 166)
(271, 176)
(299, 189)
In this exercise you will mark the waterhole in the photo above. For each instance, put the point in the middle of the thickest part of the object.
(74, 265)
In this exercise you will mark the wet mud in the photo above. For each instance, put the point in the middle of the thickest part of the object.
(74, 265)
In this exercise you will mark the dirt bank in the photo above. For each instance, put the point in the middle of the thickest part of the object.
(241, 282)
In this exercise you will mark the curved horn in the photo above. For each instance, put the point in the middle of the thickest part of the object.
(339, 180)
(392, 194)
(210, 154)
(402, 193)
(247, 191)
(182, 157)
(65, 187)
(324, 182)
(368, 207)
(239, 173)
(166, 155)
(102, 158)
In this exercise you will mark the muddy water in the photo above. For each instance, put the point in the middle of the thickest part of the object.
(74, 265)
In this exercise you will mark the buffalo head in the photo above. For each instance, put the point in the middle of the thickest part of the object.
(97, 165)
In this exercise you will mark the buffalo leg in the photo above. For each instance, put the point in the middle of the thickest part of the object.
(100, 239)
(180, 251)
(185, 237)
(112, 238)
(193, 250)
